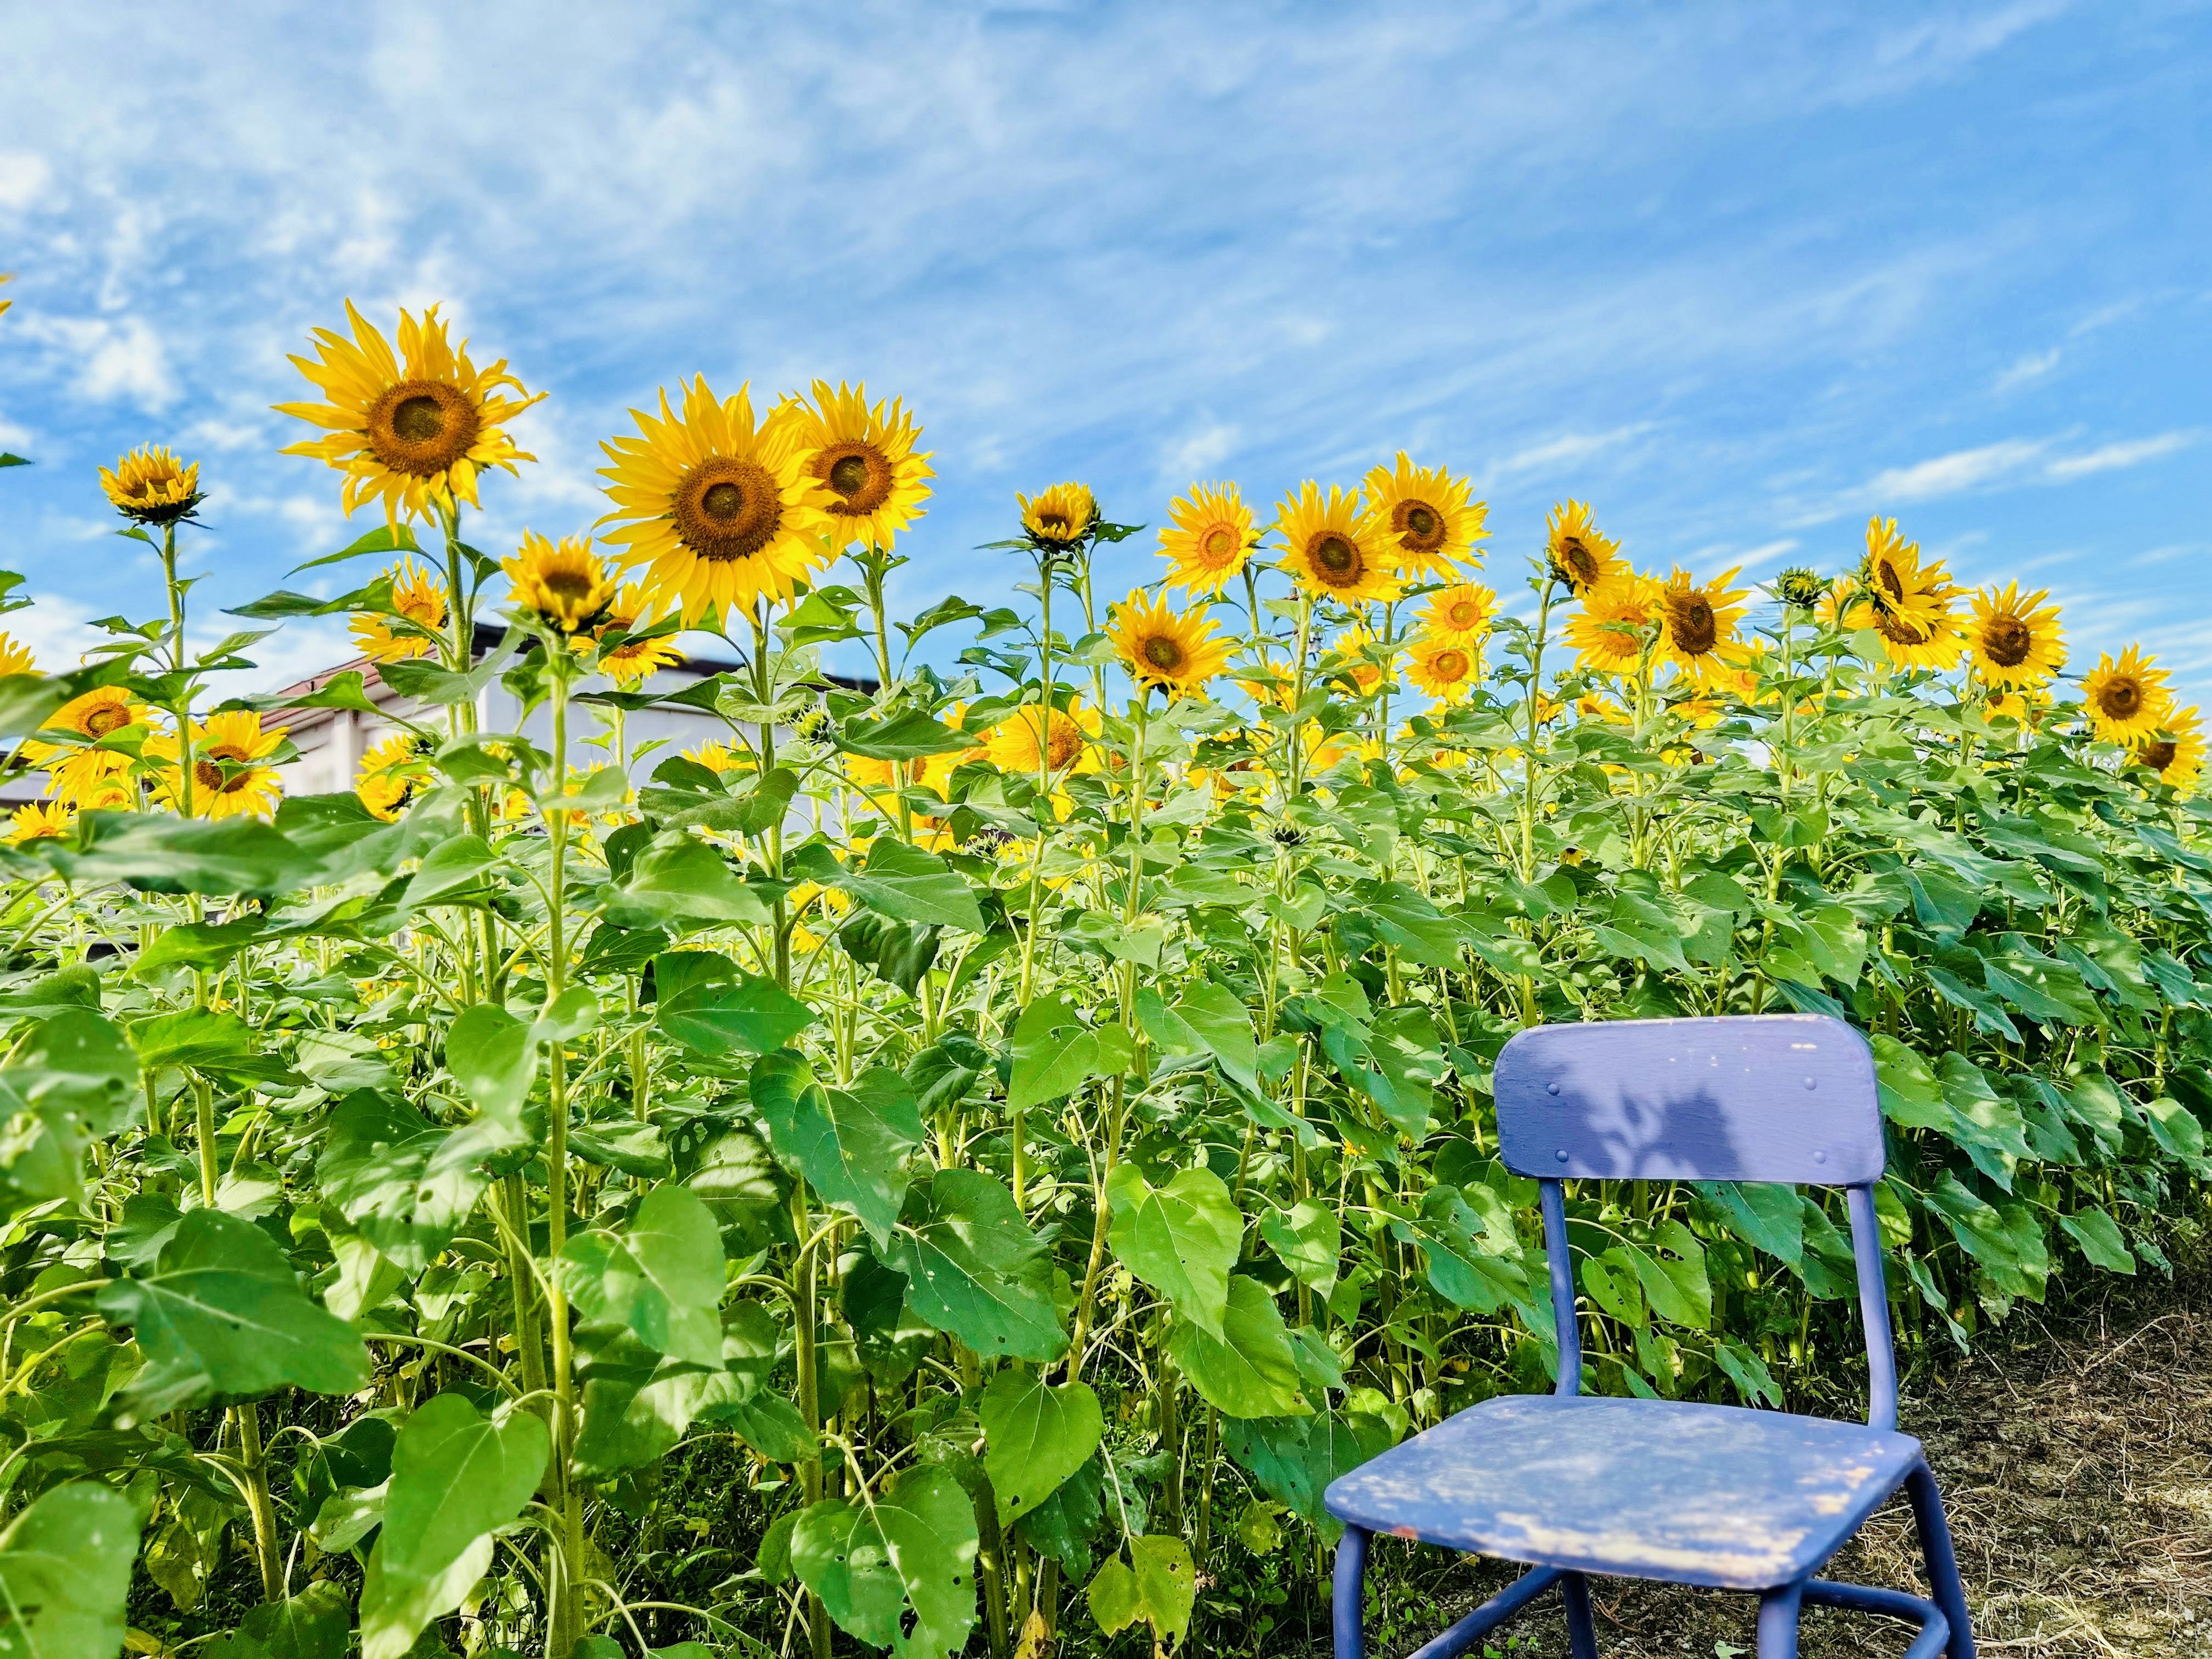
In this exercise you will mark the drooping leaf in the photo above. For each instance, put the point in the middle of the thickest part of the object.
(973, 1268)
(1250, 1370)
(489, 1053)
(851, 1144)
(722, 1011)
(406, 1184)
(1158, 1585)
(898, 1573)
(1181, 1239)
(1295, 1458)
(1308, 1239)
(65, 1574)
(1036, 1435)
(662, 1275)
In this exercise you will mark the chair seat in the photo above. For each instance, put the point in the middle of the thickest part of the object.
(1691, 1494)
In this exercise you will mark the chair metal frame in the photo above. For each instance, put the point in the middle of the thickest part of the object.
(1566, 1111)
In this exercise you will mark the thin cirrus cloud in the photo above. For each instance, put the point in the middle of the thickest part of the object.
(1762, 274)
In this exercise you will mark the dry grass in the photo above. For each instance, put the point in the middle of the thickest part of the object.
(2077, 1467)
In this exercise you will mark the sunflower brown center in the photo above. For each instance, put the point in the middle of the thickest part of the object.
(1896, 630)
(1163, 653)
(1464, 613)
(567, 583)
(1694, 627)
(208, 772)
(1449, 665)
(102, 718)
(1892, 583)
(2007, 640)
(2122, 698)
(1062, 744)
(2158, 753)
(860, 474)
(1219, 542)
(1577, 561)
(1334, 559)
(1420, 528)
(727, 508)
(422, 426)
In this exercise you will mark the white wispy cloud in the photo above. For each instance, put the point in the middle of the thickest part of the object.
(1960, 470)
(2033, 367)
(2112, 458)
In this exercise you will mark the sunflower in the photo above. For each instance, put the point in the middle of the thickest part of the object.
(84, 774)
(150, 485)
(1336, 550)
(1208, 537)
(1353, 645)
(1594, 706)
(1462, 612)
(1697, 632)
(227, 778)
(414, 430)
(1907, 602)
(2178, 756)
(1427, 511)
(15, 657)
(1067, 742)
(633, 659)
(40, 822)
(1174, 650)
(1444, 669)
(1577, 552)
(2015, 640)
(2125, 700)
(720, 757)
(864, 459)
(392, 774)
(563, 581)
(1608, 632)
(1061, 517)
(722, 510)
(417, 595)
(2026, 705)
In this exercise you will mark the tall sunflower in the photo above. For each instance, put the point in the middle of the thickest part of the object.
(150, 485)
(1607, 634)
(2178, 754)
(2015, 642)
(413, 430)
(228, 777)
(85, 774)
(1461, 612)
(1027, 742)
(633, 659)
(1444, 669)
(38, 821)
(863, 457)
(417, 595)
(1174, 650)
(1698, 620)
(393, 773)
(720, 510)
(1578, 552)
(1335, 549)
(1208, 538)
(1059, 519)
(2125, 700)
(1427, 510)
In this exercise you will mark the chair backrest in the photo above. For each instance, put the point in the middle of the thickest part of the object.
(1786, 1098)
(1779, 1097)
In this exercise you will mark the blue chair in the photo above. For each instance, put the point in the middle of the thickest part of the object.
(1681, 1492)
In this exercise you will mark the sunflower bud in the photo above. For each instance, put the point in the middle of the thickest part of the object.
(1800, 588)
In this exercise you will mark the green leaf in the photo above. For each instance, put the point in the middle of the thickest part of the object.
(852, 1144)
(912, 1549)
(1411, 925)
(2098, 1236)
(908, 735)
(907, 884)
(1249, 1371)
(1158, 1585)
(65, 1575)
(1753, 1381)
(974, 1269)
(1765, 1216)
(724, 1011)
(1035, 1437)
(2175, 1128)
(407, 1185)
(1308, 1239)
(197, 945)
(316, 1623)
(456, 1475)
(1295, 1458)
(493, 1060)
(157, 853)
(662, 1276)
(385, 539)
(1465, 1271)
(1054, 1052)
(223, 1318)
(683, 883)
(1181, 1239)
(210, 1039)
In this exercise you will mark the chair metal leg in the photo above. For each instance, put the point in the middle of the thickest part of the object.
(1581, 1628)
(1949, 1593)
(1777, 1621)
(1348, 1606)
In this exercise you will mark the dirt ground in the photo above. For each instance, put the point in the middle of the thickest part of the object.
(2077, 1467)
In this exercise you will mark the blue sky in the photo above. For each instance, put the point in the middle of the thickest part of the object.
(1739, 275)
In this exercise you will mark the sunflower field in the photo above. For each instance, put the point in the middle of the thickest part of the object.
(960, 1162)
